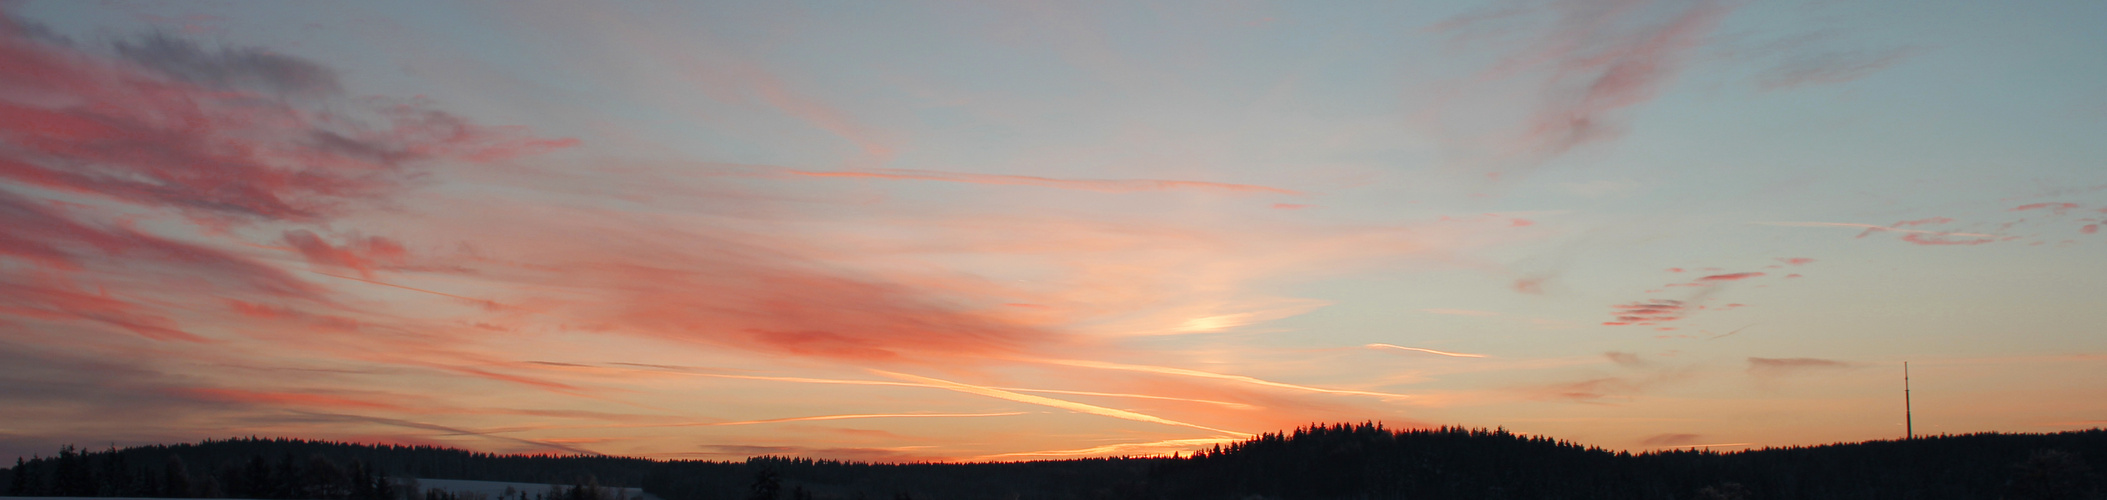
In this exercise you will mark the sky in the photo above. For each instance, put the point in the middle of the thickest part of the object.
(993, 231)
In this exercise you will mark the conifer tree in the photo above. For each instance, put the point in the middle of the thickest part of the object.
(175, 479)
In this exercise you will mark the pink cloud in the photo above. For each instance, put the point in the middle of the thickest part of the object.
(1797, 261)
(68, 241)
(1731, 277)
(2057, 208)
(53, 301)
(362, 254)
(212, 153)
(2089, 229)
(1604, 60)
(1533, 285)
(1647, 313)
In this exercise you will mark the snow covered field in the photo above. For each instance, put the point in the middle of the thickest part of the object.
(495, 490)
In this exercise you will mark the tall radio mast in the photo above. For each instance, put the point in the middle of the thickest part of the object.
(1909, 424)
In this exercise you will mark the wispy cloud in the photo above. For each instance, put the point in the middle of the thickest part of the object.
(1671, 439)
(1775, 367)
(811, 380)
(1831, 67)
(1218, 376)
(1151, 448)
(362, 255)
(295, 400)
(2058, 208)
(818, 418)
(1099, 185)
(1428, 351)
(1647, 312)
(1869, 228)
(1049, 402)
(1591, 63)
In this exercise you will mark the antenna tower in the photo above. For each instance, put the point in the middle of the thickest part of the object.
(1909, 424)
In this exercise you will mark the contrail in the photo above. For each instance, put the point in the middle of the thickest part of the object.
(1046, 401)
(808, 419)
(1014, 389)
(1222, 376)
(753, 422)
(1736, 330)
(1694, 446)
(1121, 448)
(1428, 351)
(1872, 227)
(855, 416)
(1127, 395)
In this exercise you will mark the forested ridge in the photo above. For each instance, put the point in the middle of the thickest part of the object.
(1340, 461)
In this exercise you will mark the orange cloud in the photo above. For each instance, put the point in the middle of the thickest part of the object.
(1218, 376)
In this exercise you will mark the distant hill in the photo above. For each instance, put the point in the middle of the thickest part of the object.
(1341, 461)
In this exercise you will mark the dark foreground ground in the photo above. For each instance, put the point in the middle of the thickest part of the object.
(1320, 462)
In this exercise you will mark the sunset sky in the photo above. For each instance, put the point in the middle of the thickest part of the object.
(900, 231)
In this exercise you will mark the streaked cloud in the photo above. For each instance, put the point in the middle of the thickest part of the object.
(1050, 402)
(1099, 185)
(1775, 367)
(1428, 351)
(1219, 376)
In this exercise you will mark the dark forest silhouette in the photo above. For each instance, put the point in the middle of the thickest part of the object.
(1342, 461)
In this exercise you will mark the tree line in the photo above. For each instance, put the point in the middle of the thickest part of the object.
(302, 469)
(1318, 462)
(76, 473)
